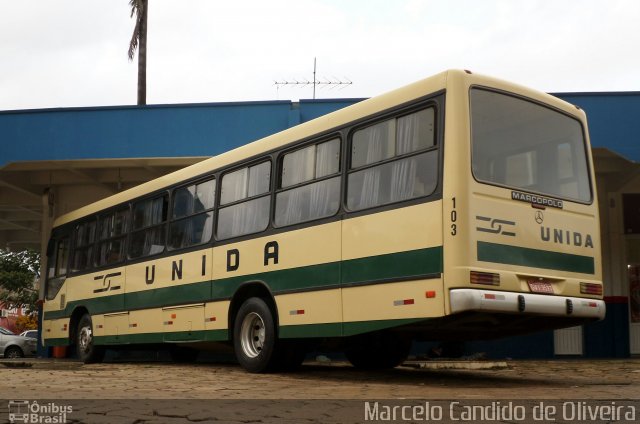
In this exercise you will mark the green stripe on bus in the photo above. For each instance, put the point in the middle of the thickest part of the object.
(331, 329)
(523, 256)
(323, 276)
(403, 265)
(394, 265)
(60, 341)
(360, 327)
(168, 337)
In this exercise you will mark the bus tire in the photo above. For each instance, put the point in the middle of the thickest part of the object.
(86, 349)
(254, 337)
(378, 351)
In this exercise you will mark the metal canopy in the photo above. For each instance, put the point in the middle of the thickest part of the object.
(25, 188)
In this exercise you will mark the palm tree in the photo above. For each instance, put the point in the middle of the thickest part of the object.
(139, 40)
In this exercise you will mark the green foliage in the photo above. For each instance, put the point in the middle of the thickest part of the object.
(18, 272)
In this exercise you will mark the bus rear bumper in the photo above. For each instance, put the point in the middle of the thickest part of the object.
(525, 303)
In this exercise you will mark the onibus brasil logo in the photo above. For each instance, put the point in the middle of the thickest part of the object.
(24, 411)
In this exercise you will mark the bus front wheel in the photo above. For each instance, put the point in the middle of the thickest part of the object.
(86, 349)
(254, 336)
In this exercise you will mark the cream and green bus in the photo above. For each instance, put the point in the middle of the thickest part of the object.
(459, 207)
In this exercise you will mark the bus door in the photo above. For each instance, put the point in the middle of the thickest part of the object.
(55, 300)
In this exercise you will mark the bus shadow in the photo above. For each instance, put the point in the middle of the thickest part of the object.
(437, 377)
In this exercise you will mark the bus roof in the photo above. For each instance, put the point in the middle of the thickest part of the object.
(319, 125)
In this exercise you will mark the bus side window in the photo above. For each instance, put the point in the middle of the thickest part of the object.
(112, 236)
(83, 247)
(57, 264)
(148, 227)
(245, 201)
(393, 160)
(192, 215)
(314, 193)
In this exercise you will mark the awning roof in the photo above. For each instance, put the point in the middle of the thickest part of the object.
(23, 184)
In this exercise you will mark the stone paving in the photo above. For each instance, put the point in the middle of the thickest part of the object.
(153, 392)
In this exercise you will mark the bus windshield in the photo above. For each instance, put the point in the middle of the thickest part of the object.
(523, 145)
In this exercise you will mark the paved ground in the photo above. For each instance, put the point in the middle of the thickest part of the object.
(143, 392)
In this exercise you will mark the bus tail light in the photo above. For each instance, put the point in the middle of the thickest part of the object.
(485, 278)
(591, 288)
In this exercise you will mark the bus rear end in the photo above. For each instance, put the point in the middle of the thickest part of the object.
(522, 240)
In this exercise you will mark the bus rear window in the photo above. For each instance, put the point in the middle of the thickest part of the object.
(526, 146)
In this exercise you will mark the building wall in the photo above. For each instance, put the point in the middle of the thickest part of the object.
(613, 120)
(149, 131)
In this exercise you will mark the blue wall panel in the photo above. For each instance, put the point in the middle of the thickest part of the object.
(312, 109)
(150, 131)
(609, 338)
(209, 129)
(613, 120)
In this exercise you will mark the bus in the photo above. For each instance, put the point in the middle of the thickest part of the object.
(460, 207)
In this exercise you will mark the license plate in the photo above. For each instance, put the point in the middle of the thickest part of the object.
(537, 286)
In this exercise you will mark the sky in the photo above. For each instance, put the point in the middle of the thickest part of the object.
(73, 53)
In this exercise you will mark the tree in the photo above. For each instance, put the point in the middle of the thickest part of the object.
(26, 322)
(139, 41)
(18, 272)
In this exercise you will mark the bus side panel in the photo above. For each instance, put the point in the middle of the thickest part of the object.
(301, 269)
(168, 296)
(391, 260)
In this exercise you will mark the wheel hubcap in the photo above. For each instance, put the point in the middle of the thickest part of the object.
(84, 339)
(252, 335)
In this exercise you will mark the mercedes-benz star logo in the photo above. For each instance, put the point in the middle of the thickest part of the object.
(539, 217)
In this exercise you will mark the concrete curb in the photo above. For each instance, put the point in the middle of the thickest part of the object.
(39, 363)
(457, 365)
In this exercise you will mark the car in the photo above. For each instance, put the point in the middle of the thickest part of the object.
(14, 346)
(30, 333)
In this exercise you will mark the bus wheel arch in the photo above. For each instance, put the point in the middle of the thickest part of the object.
(76, 315)
(246, 291)
(81, 337)
(253, 328)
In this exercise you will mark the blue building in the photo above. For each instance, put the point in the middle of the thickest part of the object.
(56, 160)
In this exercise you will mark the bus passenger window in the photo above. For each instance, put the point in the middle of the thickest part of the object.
(192, 215)
(112, 232)
(393, 161)
(149, 218)
(246, 192)
(83, 249)
(315, 196)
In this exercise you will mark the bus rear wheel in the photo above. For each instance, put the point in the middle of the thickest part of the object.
(86, 349)
(254, 336)
(378, 351)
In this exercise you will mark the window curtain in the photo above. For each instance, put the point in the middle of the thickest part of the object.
(403, 172)
(299, 168)
(370, 192)
(154, 237)
(234, 186)
(321, 198)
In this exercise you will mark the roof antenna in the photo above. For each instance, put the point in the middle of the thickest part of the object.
(325, 82)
